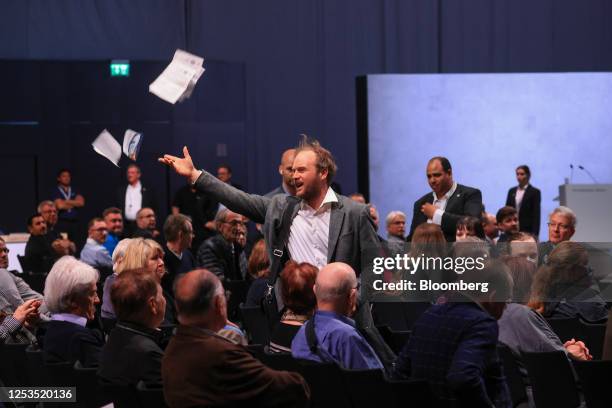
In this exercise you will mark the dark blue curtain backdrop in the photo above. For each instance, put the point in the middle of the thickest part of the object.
(301, 57)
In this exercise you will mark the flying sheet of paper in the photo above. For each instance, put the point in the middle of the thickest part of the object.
(132, 141)
(177, 81)
(106, 145)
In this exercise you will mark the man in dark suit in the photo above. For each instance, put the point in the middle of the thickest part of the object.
(202, 368)
(448, 201)
(132, 352)
(134, 196)
(285, 169)
(526, 199)
(453, 345)
(325, 227)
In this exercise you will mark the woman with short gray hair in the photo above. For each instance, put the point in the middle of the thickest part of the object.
(71, 297)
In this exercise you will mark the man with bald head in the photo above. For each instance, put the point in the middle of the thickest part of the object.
(285, 169)
(331, 332)
(447, 202)
(202, 368)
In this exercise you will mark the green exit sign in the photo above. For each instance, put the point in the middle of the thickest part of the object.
(120, 68)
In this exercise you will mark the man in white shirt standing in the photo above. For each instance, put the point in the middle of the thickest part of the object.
(131, 198)
(447, 202)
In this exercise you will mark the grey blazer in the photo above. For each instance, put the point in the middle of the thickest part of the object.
(351, 230)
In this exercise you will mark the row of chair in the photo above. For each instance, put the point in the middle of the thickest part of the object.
(593, 334)
(333, 386)
(24, 365)
(557, 383)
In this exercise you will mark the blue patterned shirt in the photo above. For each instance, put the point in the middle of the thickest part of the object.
(339, 342)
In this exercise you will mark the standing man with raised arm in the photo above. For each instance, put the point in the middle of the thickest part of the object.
(324, 227)
(447, 202)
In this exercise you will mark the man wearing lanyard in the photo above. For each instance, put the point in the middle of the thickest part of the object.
(67, 200)
(447, 202)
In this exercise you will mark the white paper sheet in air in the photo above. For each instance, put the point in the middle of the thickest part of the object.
(132, 141)
(177, 81)
(106, 145)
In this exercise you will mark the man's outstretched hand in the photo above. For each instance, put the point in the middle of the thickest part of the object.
(183, 166)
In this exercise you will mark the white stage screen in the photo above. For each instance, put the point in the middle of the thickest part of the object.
(487, 125)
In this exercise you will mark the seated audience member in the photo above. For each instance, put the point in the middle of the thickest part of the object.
(561, 228)
(132, 352)
(454, 345)
(468, 226)
(428, 240)
(489, 226)
(297, 282)
(148, 254)
(335, 338)
(523, 329)
(259, 270)
(93, 253)
(60, 244)
(177, 258)
(201, 368)
(114, 224)
(14, 292)
(223, 254)
(71, 297)
(146, 225)
(358, 197)
(39, 253)
(507, 222)
(523, 244)
(565, 287)
(396, 227)
(201, 208)
(12, 324)
(108, 312)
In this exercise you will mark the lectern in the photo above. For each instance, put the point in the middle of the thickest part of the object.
(592, 204)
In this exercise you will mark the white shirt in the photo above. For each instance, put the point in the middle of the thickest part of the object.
(309, 234)
(133, 201)
(69, 317)
(440, 204)
(518, 198)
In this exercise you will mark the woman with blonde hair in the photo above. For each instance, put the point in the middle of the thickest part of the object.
(138, 253)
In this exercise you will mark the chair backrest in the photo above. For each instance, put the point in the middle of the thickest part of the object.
(607, 349)
(13, 365)
(594, 377)
(594, 336)
(367, 388)
(256, 324)
(237, 295)
(150, 397)
(326, 385)
(396, 340)
(36, 281)
(552, 379)
(35, 363)
(89, 392)
(567, 328)
(399, 316)
(121, 396)
(418, 392)
(25, 264)
(514, 379)
(279, 361)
